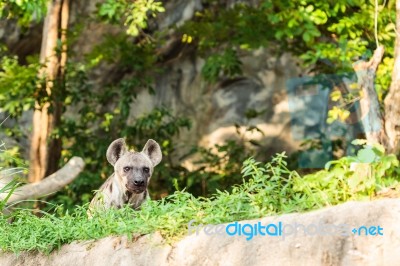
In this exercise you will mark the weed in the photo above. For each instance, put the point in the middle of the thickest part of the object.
(269, 188)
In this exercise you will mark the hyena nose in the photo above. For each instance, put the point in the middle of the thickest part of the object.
(138, 182)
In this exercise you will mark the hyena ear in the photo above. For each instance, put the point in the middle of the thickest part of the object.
(116, 149)
(153, 151)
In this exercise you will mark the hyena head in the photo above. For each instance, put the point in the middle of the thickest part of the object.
(134, 169)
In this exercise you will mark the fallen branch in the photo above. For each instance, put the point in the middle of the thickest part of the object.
(50, 184)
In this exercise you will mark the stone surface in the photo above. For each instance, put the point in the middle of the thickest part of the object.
(225, 250)
(214, 109)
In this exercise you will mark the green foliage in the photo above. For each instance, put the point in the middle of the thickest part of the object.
(18, 85)
(226, 64)
(91, 128)
(169, 215)
(271, 189)
(135, 14)
(10, 158)
(6, 191)
(340, 31)
(354, 177)
(344, 99)
(272, 185)
(10, 165)
(240, 26)
(112, 10)
(24, 10)
(137, 17)
(120, 49)
(328, 36)
(217, 168)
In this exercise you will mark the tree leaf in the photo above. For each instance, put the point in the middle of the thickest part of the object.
(359, 142)
(366, 155)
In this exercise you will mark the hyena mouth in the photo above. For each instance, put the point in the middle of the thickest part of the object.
(136, 189)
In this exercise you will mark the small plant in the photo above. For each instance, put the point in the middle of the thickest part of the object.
(169, 216)
(6, 192)
(8, 158)
(271, 188)
(353, 177)
(226, 63)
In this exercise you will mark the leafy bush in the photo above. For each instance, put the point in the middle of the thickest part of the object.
(218, 168)
(271, 189)
(246, 201)
(25, 11)
(353, 177)
(18, 85)
(135, 14)
(327, 35)
(227, 64)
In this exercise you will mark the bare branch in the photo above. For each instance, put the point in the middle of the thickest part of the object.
(49, 185)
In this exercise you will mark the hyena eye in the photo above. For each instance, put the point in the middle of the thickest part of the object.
(126, 169)
(146, 169)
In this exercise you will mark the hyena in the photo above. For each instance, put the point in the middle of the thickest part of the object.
(132, 173)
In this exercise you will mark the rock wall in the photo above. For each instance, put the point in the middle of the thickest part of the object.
(214, 109)
(202, 249)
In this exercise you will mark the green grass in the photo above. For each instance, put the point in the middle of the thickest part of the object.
(267, 189)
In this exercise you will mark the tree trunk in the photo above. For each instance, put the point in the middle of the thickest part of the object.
(378, 130)
(371, 115)
(45, 150)
(392, 101)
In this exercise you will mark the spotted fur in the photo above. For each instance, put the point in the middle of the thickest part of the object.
(132, 173)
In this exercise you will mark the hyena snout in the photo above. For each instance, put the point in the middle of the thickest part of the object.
(136, 185)
(139, 182)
